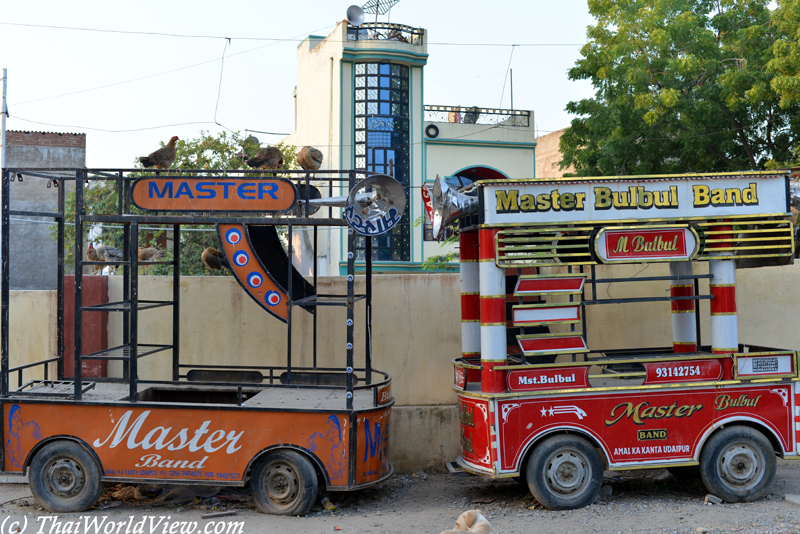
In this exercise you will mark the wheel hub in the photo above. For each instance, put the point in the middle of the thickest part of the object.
(282, 484)
(567, 473)
(740, 465)
(66, 477)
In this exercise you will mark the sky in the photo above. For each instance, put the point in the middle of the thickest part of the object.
(131, 86)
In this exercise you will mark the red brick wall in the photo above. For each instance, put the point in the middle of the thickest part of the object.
(95, 325)
(70, 140)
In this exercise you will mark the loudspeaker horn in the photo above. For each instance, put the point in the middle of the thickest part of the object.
(355, 16)
(374, 206)
(449, 205)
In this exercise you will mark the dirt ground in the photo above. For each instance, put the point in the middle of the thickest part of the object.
(638, 501)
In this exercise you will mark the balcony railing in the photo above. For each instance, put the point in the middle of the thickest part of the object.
(476, 115)
(382, 31)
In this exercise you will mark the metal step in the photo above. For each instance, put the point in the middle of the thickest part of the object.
(456, 470)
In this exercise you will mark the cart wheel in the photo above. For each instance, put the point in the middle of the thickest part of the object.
(565, 472)
(284, 483)
(64, 477)
(738, 464)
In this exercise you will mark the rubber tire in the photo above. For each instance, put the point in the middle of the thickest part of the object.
(75, 466)
(757, 464)
(284, 483)
(556, 454)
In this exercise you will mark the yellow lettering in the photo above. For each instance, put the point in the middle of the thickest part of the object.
(733, 197)
(750, 195)
(507, 201)
(527, 203)
(543, 202)
(626, 412)
(622, 245)
(643, 411)
(701, 196)
(645, 198)
(602, 198)
(554, 198)
(621, 199)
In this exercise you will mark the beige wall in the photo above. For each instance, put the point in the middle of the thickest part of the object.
(416, 329)
(548, 156)
(31, 333)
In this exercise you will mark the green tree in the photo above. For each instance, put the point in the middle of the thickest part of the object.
(680, 86)
(785, 65)
(216, 154)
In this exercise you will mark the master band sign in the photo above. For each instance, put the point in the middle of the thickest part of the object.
(646, 244)
(213, 194)
(602, 200)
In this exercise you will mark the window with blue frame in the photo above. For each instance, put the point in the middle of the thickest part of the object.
(382, 144)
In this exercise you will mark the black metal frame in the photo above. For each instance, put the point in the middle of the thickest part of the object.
(132, 348)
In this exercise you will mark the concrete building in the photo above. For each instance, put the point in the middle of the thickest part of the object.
(33, 250)
(548, 156)
(360, 100)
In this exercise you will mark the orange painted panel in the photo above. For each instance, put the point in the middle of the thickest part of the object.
(372, 454)
(250, 272)
(183, 193)
(151, 442)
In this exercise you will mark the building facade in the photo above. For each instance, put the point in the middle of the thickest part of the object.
(360, 100)
(34, 256)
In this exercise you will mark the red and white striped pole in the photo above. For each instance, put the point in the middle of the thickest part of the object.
(493, 314)
(724, 321)
(684, 333)
(470, 295)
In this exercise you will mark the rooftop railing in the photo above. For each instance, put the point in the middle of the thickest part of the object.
(382, 31)
(476, 115)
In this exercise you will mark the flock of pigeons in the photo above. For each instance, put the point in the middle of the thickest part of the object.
(268, 158)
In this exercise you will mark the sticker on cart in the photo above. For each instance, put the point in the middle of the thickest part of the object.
(535, 379)
(241, 258)
(273, 298)
(233, 236)
(753, 366)
(682, 371)
(255, 280)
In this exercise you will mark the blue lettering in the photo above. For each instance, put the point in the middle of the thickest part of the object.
(154, 189)
(201, 189)
(268, 188)
(225, 186)
(183, 189)
(371, 444)
(245, 191)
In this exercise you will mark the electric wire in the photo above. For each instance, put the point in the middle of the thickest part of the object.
(508, 67)
(221, 70)
(273, 39)
(160, 73)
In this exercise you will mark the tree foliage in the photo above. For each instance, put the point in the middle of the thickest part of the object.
(680, 86)
(216, 154)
